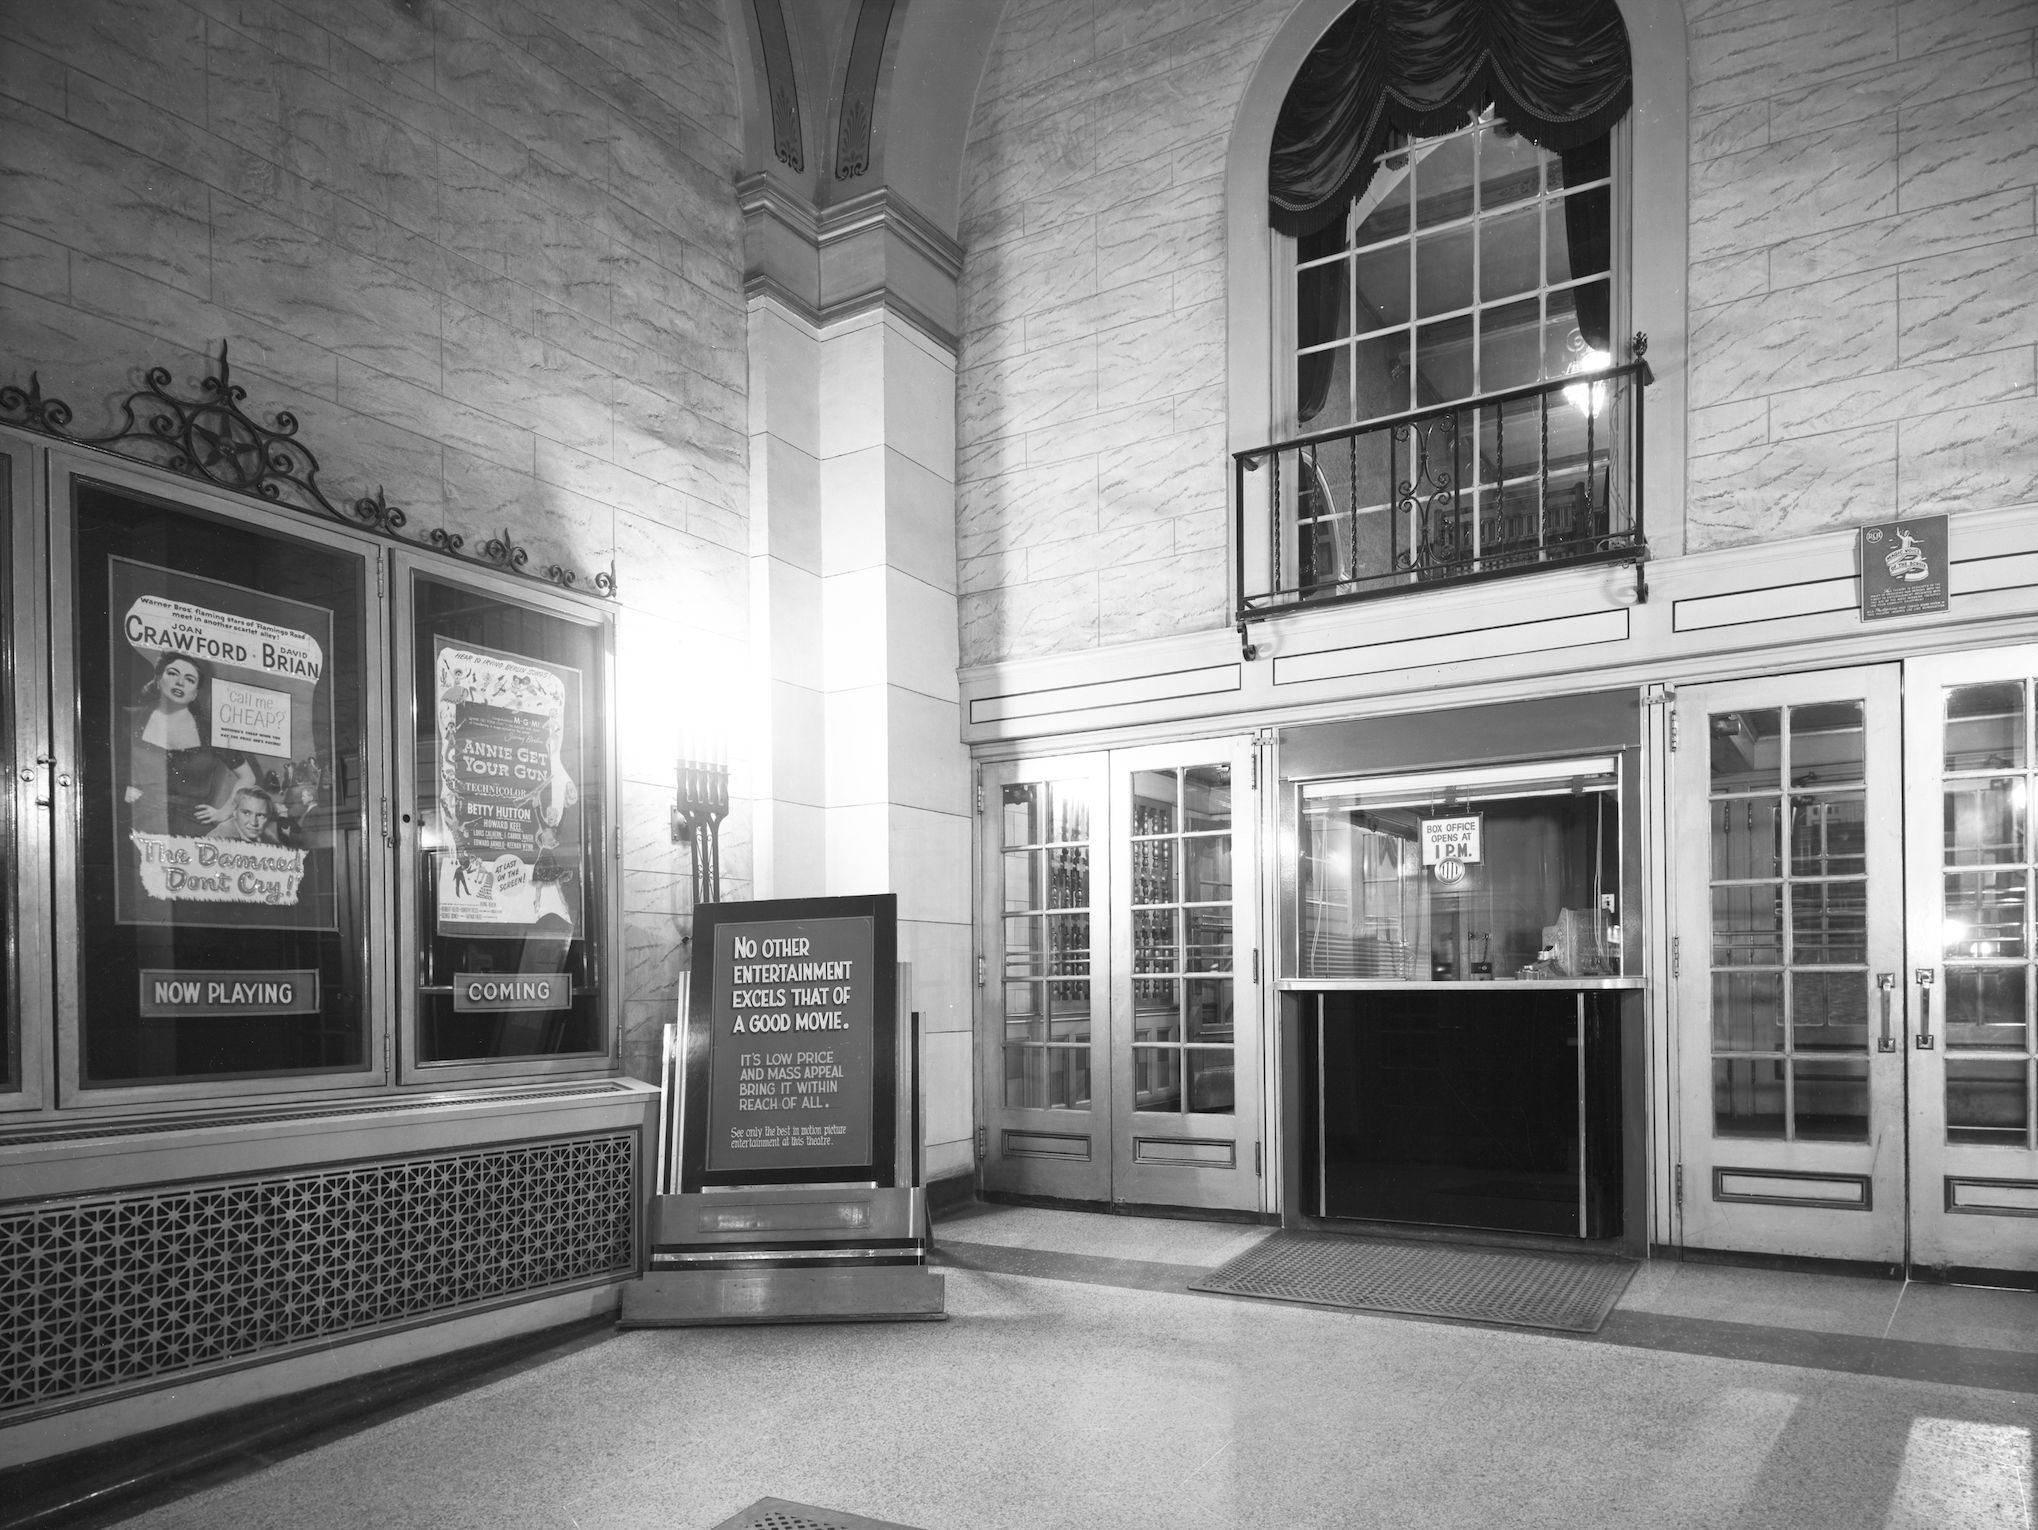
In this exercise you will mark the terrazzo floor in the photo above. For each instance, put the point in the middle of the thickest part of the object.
(1092, 1391)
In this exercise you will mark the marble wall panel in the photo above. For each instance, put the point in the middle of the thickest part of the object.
(1135, 542)
(1959, 458)
(1040, 388)
(1932, 76)
(77, 189)
(1801, 335)
(1168, 111)
(1052, 617)
(1899, 144)
(1087, 318)
(1729, 426)
(1981, 219)
(1008, 512)
(1925, 25)
(1789, 488)
(1968, 302)
(1034, 272)
(1163, 476)
(156, 50)
(1908, 393)
(1181, 228)
(1037, 40)
(1101, 195)
(1728, 278)
(1177, 594)
(1799, 186)
(1968, 145)
(1787, 45)
(1730, 129)
(1160, 356)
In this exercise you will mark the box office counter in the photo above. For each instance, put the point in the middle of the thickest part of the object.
(1460, 1011)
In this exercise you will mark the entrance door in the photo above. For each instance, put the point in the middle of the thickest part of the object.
(1970, 965)
(1185, 1055)
(1118, 1040)
(1043, 923)
(1788, 943)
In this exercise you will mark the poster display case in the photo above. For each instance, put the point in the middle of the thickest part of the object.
(505, 796)
(217, 783)
(343, 815)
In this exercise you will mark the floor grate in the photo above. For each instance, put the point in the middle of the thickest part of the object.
(779, 1514)
(1572, 1292)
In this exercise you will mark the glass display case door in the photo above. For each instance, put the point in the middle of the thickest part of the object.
(1969, 969)
(1185, 1055)
(1788, 940)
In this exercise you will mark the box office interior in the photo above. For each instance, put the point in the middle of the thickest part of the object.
(1460, 1011)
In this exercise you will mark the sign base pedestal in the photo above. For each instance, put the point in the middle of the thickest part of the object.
(712, 1298)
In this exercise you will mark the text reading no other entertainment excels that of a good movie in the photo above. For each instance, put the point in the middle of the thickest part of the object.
(791, 1075)
(800, 1006)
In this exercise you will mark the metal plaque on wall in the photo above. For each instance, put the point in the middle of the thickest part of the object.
(1904, 568)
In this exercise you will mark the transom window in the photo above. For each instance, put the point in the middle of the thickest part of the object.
(1473, 263)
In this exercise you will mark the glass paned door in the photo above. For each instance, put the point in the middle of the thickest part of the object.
(1186, 1108)
(1043, 926)
(1788, 929)
(1969, 971)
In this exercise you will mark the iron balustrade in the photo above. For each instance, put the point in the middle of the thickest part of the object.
(1540, 477)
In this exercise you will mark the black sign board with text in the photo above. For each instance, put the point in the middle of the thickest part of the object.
(791, 1044)
(1904, 567)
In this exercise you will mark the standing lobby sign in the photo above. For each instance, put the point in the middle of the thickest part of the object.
(791, 1114)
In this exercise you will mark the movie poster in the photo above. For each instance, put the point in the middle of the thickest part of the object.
(507, 733)
(222, 742)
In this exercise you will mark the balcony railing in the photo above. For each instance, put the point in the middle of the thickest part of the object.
(1541, 477)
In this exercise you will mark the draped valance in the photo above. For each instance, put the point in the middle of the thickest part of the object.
(1557, 70)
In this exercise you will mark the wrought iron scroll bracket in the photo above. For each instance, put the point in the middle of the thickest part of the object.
(215, 440)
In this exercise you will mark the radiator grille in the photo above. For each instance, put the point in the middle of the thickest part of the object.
(109, 1291)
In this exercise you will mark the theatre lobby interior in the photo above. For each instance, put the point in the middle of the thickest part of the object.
(1019, 764)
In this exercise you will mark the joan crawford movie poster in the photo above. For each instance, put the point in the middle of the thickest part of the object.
(222, 744)
(508, 744)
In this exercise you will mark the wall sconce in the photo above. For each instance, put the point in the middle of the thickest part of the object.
(697, 814)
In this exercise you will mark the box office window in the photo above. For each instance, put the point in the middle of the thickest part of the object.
(511, 814)
(1511, 873)
(222, 910)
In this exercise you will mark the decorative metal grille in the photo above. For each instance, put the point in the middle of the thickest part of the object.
(213, 439)
(113, 1290)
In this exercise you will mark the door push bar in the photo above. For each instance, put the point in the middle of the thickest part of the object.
(1886, 981)
(1925, 975)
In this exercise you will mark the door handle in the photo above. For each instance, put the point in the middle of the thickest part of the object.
(1886, 981)
(1925, 976)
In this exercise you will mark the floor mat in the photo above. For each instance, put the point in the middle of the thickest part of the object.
(782, 1514)
(1571, 1292)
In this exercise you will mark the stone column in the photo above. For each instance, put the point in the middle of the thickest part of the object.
(862, 783)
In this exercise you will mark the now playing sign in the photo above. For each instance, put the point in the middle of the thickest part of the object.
(170, 995)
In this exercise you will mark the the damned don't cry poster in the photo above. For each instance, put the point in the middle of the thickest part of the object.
(222, 751)
(507, 730)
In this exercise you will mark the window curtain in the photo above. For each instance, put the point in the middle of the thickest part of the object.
(1319, 316)
(1588, 235)
(1558, 70)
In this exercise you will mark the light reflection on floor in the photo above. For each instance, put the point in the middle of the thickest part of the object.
(1961, 1475)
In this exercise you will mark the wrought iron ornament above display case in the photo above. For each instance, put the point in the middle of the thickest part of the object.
(213, 439)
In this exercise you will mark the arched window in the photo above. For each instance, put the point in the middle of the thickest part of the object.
(1473, 262)
(1445, 173)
